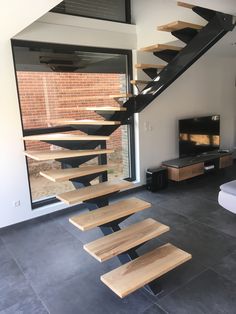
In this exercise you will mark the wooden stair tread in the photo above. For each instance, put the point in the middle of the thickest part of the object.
(144, 269)
(83, 122)
(64, 137)
(160, 47)
(88, 97)
(60, 154)
(178, 25)
(134, 82)
(93, 191)
(93, 108)
(121, 241)
(60, 175)
(128, 95)
(149, 66)
(185, 5)
(109, 213)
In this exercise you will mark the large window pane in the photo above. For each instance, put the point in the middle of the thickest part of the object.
(54, 85)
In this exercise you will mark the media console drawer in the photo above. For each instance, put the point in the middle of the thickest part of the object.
(226, 161)
(179, 174)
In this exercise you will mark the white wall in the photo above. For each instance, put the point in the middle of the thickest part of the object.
(52, 28)
(65, 29)
(206, 88)
(226, 6)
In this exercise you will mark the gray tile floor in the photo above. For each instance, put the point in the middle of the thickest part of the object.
(44, 269)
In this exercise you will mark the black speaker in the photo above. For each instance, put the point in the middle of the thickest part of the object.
(156, 179)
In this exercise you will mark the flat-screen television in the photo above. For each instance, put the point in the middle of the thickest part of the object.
(199, 135)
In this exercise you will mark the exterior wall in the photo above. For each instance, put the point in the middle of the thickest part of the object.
(46, 95)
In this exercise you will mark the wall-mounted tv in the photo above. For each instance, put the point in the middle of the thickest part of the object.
(199, 135)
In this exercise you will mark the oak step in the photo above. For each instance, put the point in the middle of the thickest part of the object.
(83, 122)
(109, 213)
(60, 175)
(128, 95)
(178, 25)
(90, 97)
(185, 5)
(160, 47)
(121, 241)
(144, 269)
(65, 137)
(149, 66)
(93, 108)
(135, 82)
(93, 191)
(61, 154)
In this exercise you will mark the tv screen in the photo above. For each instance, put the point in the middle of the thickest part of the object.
(199, 135)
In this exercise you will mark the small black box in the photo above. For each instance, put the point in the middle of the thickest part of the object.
(156, 179)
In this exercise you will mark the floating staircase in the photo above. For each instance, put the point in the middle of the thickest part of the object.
(136, 271)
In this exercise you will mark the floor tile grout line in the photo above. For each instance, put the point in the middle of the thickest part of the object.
(25, 277)
(224, 278)
(181, 214)
(154, 304)
(215, 229)
(183, 285)
(69, 232)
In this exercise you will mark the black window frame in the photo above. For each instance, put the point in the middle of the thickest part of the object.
(127, 14)
(28, 132)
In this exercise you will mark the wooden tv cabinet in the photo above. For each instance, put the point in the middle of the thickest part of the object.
(185, 168)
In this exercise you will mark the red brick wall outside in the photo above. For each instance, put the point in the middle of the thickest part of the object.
(47, 95)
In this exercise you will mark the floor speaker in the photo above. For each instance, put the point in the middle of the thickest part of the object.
(156, 179)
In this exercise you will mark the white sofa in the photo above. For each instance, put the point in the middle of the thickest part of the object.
(227, 196)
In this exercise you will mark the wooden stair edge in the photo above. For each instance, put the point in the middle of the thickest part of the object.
(149, 66)
(128, 95)
(62, 154)
(160, 47)
(144, 269)
(93, 191)
(93, 108)
(64, 137)
(125, 239)
(60, 175)
(66, 121)
(178, 25)
(108, 213)
(134, 82)
(185, 5)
